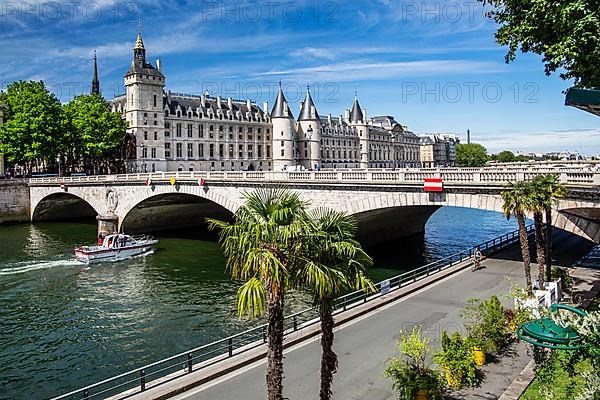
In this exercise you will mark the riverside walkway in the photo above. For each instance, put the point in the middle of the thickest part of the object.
(365, 343)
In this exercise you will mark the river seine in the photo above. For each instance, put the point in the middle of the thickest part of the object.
(64, 325)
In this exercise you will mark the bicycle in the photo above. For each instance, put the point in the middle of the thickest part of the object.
(476, 260)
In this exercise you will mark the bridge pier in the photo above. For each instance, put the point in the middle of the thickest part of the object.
(107, 223)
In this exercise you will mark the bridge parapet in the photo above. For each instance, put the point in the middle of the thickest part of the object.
(448, 175)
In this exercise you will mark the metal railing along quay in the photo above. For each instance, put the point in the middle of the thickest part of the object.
(138, 380)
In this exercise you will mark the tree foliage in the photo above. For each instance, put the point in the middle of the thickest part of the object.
(506, 156)
(38, 130)
(94, 132)
(566, 33)
(470, 155)
(32, 123)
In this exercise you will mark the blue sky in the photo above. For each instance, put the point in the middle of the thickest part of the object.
(434, 65)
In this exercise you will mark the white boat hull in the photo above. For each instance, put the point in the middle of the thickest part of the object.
(89, 254)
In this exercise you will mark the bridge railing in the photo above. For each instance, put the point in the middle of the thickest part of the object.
(152, 375)
(408, 176)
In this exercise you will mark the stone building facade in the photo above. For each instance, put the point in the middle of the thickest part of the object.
(181, 132)
(437, 150)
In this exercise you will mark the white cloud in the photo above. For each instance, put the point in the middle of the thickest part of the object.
(349, 71)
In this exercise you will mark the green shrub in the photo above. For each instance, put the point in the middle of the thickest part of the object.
(457, 360)
(563, 274)
(409, 371)
(485, 323)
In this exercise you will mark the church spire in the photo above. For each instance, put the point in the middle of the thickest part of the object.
(95, 81)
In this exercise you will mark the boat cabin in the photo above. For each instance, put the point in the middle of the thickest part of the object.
(117, 240)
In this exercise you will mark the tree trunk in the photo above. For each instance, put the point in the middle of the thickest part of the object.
(328, 357)
(540, 247)
(275, 345)
(548, 238)
(525, 252)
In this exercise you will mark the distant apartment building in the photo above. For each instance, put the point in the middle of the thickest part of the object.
(437, 150)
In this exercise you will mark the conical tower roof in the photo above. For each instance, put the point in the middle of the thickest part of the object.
(281, 108)
(356, 115)
(139, 43)
(307, 105)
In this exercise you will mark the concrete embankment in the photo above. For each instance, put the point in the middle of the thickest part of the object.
(14, 201)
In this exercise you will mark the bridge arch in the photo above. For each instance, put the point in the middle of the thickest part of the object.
(169, 210)
(577, 217)
(62, 206)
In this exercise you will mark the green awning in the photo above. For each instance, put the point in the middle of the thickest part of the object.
(584, 99)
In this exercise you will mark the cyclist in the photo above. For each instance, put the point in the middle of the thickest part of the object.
(476, 259)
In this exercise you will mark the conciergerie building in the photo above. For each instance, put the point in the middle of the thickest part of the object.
(177, 132)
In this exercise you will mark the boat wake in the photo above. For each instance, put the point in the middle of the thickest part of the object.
(27, 266)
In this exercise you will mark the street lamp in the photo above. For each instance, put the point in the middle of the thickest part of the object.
(309, 133)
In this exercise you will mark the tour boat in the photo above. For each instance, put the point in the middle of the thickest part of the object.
(115, 247)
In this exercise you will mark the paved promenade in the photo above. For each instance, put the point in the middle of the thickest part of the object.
(364, 344)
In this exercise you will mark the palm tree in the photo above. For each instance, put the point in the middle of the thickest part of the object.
(535, 204)
(553, 191)
(331, 262)
(515, 204)
(259, 248)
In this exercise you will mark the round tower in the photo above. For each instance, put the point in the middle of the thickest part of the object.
(283, 133)
(309, 134)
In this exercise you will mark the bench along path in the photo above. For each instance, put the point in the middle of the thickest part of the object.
(365, 343)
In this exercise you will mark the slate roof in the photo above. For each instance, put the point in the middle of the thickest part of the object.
(305, 112)
(281, 108)
(356, 115)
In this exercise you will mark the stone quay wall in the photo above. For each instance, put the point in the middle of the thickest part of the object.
(14, 201)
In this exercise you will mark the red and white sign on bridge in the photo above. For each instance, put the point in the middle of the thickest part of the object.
(433, 184)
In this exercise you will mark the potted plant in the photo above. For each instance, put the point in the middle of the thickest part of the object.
(457, 360)
(486, 326)
(412, 378)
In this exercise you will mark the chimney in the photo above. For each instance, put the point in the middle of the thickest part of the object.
(365, 116)
(230, 103)
(248, 105)
(468, 136)
(329, 118)
(203, 101)
(266, 106)
(347, 114)
(219, 102)
(158, 64)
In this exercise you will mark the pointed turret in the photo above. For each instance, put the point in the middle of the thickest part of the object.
(95, 81)
(280, 108)
(139, 51)
(284, 133)
(356, 114)
(309, 110)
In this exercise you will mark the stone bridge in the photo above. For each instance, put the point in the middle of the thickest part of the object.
(387, 203)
